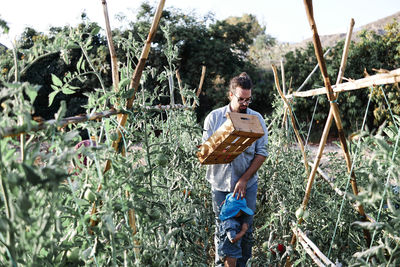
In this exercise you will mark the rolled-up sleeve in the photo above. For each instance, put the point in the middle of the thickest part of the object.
(262, 143)
(207, 130)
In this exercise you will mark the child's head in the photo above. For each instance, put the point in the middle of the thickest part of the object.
(234, 208)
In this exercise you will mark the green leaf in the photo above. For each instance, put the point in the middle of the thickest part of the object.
(82, 202)
(83, 65)
(95, 31)
(51, 97)
(78, 65)
(128, 94)
(72, 45)
(55, 88)
(61, 111)
(67, 91)
(32, 92)
(124, 82)
(56, 80)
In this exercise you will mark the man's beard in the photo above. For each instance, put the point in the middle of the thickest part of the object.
(243, 110)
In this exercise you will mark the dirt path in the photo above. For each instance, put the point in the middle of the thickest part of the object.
(329, 148)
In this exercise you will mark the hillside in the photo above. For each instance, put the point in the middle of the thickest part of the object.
(332, 39)
(275, 54)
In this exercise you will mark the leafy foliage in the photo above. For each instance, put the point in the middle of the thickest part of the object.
(49, 187)
(373, 52)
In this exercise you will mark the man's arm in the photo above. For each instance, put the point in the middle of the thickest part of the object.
(240, 187)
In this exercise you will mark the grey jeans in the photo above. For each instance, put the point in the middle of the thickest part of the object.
(247, 240)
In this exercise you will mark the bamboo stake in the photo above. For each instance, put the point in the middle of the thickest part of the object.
(292, 118)
(18, 130)
(311, 248)
(203, 74)
(284, 93)
(373, 80)
(345, 53)
(333, 113)
(284, 115)
(178, 77)
(327, 179)
(122, 118)
(311, 73)
(132, 224)
(310, 252)
(113, 54)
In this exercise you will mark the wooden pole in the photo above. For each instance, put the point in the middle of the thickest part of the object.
(333, 113)
(345, 53)
(113, 54)
(373, 80)
(18, 130)
(178, 77)
(203, 74)
(285, 110)
(328, 122)
(285, 102)
(122, 118)
(311, 73)
(314, 252)
(136, 77)
(292, 118)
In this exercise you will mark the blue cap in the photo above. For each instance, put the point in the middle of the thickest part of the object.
(232, 206)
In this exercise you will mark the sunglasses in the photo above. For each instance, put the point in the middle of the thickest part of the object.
(243, 100)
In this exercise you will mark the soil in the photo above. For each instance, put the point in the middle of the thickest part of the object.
(328, 149)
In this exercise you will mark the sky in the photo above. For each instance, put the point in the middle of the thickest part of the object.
(285, 20)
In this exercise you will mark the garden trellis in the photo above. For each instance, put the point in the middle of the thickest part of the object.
(121, 112)
(387, 77)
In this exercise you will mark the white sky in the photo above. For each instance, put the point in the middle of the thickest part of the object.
(285, 20)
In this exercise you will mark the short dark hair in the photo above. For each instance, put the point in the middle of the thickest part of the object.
(242, 80)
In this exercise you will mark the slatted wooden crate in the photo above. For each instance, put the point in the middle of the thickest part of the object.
(231, 138)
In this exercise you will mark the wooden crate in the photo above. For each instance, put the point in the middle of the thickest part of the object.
(231, 138)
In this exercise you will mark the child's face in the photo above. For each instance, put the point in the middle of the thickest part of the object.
(240, 213)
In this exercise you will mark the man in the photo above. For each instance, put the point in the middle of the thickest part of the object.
(239, 176)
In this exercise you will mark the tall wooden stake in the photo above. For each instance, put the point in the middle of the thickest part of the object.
(113, 54)
(333, 113)
(289, 109)
(285, 122)
(122, 118)
(203, 74)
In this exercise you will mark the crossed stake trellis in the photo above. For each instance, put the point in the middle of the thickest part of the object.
(332, 94)
(384, 78)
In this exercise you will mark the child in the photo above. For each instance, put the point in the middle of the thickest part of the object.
(231, 230)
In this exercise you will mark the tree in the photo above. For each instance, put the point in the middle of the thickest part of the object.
(372, 52)
(222, 46)
(4, 26)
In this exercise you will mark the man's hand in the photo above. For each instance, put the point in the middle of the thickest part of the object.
(241, 184)
(240, 189)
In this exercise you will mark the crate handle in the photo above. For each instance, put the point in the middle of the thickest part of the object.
(244, 118)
